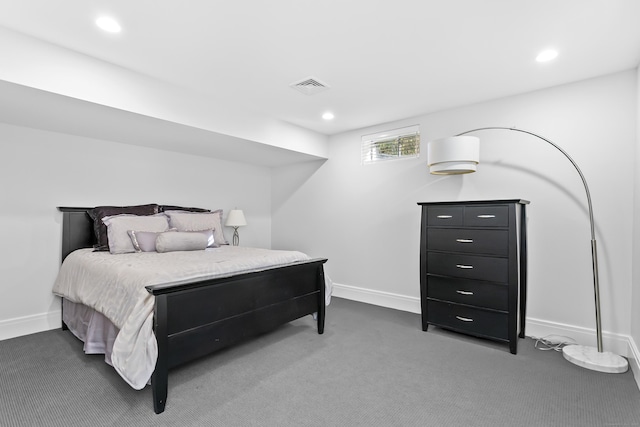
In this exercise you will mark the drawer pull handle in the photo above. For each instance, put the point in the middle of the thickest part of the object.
(464, 240)
(445, 216)
(465, 292)
(464, 319)
(486, 216)
(464, 266)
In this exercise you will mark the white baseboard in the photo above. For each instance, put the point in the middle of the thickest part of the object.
(383, 299)
(634, 360)
(623, 345)
(27, 325)
(616, 343)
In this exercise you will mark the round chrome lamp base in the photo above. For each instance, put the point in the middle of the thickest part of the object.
(591, 358)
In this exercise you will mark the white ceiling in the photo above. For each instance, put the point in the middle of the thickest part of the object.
(383, 60)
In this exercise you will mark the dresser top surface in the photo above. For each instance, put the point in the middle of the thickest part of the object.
(477, 202)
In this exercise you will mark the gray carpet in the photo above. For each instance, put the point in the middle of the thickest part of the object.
(372, 367)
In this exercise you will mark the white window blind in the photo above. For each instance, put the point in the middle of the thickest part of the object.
(391, 145)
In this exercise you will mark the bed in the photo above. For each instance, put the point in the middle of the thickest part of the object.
(197, 316)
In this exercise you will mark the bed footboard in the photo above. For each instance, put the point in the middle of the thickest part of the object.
(196, 319)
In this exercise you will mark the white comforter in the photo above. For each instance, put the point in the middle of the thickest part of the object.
(115, 286)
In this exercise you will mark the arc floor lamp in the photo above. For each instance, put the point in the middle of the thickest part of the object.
(459, 155)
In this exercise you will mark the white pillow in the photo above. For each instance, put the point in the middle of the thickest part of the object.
(199, 221)
(181, 241)
(119, 225)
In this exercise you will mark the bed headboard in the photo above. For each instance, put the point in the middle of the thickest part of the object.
(77, 230)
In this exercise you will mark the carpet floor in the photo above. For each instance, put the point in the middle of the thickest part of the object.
(372, 367)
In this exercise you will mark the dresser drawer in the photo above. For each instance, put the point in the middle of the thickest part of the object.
(445, 216)
(468, 319)
(462, 291)
(492, 269)
(489, 242)
(486, 216)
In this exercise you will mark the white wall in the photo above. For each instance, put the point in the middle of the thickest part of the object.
(42, 170)
(366, 221)
(635, 292)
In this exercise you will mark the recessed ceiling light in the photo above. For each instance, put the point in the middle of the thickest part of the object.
(328, 115)
(108, 24)
(547, 55)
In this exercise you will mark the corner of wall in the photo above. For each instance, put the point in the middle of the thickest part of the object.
(634, 353)
(634, 360)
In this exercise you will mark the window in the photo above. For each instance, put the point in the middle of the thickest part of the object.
(389, 145)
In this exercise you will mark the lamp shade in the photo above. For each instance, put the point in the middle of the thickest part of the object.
(235, 218)
(453, 155)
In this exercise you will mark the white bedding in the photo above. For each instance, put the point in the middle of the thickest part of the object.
(114, 285)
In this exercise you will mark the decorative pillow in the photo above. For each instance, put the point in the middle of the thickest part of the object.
(196, 221)
(99, 212)
(163, 208)
(119, 225)
(145, 241)
(211, 240)
(181, 241)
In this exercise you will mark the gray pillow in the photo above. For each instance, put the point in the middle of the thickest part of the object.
(198, 221)
(119, 225)
(162, 208)
(181, 241)
(211, 240)
(144, 241)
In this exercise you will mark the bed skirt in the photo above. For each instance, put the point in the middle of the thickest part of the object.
(91, 327)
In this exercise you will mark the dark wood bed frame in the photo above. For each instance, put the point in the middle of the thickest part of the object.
(198, 318)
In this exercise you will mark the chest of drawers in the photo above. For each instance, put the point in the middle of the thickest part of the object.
(473, 268)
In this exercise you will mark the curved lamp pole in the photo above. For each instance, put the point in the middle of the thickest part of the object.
(460, 154)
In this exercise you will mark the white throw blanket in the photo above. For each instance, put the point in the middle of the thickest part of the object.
(114, 285)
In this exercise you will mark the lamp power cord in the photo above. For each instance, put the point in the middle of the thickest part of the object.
(553, 342)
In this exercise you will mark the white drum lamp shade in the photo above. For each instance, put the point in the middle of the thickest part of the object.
(235, 218)
(453, 155)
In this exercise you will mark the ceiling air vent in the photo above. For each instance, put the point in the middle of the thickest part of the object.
(309, 86)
